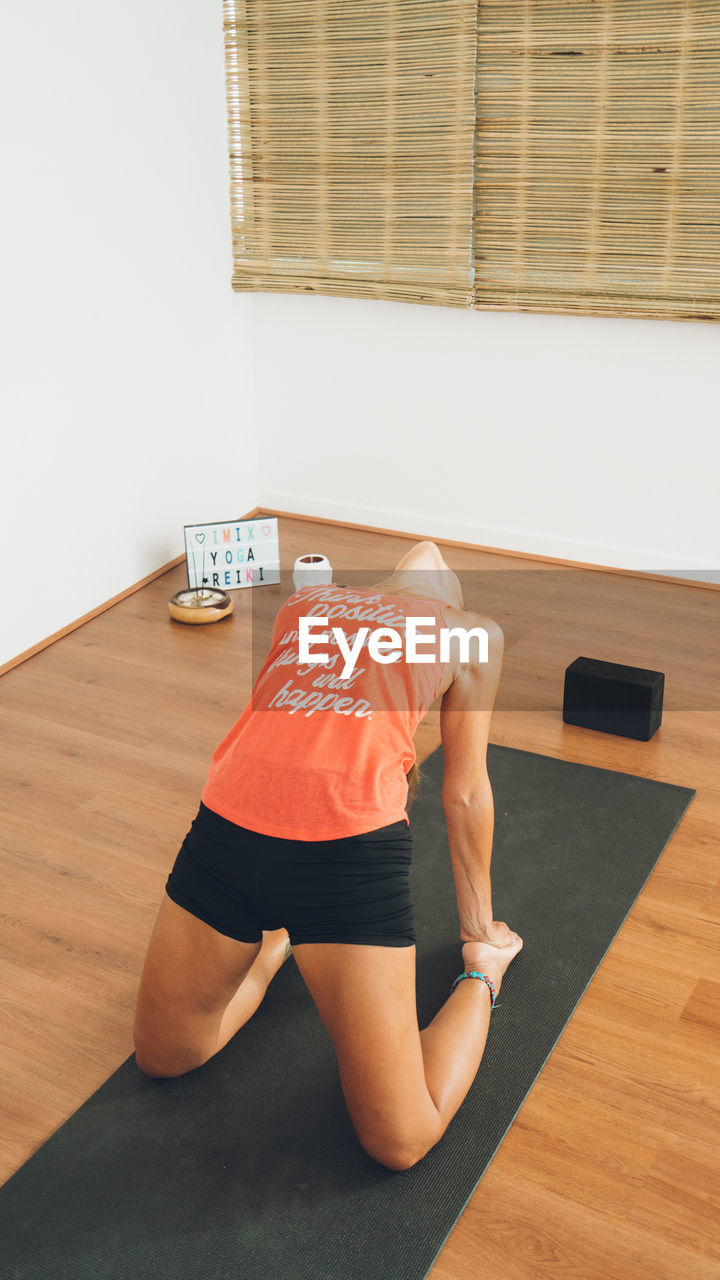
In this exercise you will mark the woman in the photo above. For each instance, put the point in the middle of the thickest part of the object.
(302, 842)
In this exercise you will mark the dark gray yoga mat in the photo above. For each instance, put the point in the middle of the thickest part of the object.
(249, 1167)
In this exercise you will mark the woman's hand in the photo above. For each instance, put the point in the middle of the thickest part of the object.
(497, 934)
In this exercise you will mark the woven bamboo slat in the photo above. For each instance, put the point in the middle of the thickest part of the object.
(351, 130)
(598, 157)
(525, 155)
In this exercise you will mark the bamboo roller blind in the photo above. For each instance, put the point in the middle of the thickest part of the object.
(351, 146)
(533, 155)
(598, 157)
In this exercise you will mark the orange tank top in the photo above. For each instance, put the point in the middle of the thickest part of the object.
(318, 757)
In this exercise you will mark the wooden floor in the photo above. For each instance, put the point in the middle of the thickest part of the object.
(609, 1170)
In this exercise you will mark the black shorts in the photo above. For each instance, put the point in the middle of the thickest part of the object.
(355, 889)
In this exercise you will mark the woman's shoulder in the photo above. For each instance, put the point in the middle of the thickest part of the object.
(476, 657)
(468, 619)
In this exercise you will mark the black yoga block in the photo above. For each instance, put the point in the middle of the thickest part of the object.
(613, 698)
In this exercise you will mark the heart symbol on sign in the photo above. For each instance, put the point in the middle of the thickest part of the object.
(265, 528)
(199, 537)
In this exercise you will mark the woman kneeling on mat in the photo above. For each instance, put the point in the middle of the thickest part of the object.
(302, 843)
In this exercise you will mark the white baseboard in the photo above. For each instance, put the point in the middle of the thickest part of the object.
(428, 526)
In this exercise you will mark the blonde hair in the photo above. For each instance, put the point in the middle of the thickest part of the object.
(413, 781)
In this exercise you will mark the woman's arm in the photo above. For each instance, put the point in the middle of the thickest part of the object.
(466, 793)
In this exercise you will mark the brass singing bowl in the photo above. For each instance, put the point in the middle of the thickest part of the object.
(196, 606)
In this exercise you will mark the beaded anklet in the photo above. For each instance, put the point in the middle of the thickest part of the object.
(473, 973)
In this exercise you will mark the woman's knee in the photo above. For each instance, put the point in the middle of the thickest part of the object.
(401, 1151)
(155, 1070)
(160, 1066)
(401, 1139)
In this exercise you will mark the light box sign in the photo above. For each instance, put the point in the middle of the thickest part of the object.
(236, 553)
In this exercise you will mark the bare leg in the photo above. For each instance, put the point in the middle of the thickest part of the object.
(197, 989)
(249, 995)
(454, 1042)
(402, 1086)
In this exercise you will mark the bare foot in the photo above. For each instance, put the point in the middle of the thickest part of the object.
(274, 951)
(491, 960)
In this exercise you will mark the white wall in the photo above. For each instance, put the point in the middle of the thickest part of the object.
(125, 381)
(591, 439)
